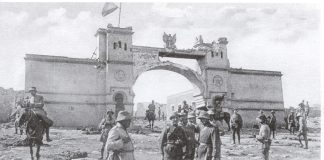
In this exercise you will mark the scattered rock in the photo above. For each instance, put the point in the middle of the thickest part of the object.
(69, 155)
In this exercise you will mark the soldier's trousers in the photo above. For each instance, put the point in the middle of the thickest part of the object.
(173, 152)
(265, 150)
(265, 153)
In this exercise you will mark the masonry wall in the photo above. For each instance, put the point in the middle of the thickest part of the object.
(251, 91)
(72, 88)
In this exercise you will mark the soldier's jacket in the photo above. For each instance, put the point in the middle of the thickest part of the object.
(105, 125)
(190, 131)
(302, 125)
(264, 136)
(172, 141)
(236, 121)
(121, 150)
(291, 118)
(37, 104)
(220, 126)
(209, 143)
(272, 123)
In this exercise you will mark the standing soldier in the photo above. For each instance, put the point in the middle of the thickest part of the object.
(263, 116)
(163, 116)
(190, 129)
(185, 107)
(159, 113)
(105, 125)
(307, 108)
(236, 125)
(119, 142)
(273, 124)
(264, 137)
(209, 140)
(291, 122)
(302, 130)
(17, 114)
(36, 103)
(173, 140)
(216, 122)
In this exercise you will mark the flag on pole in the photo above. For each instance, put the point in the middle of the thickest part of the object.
(108, 8)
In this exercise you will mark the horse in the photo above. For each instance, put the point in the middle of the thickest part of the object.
(150, 116)
(34, 130)
(227, 118)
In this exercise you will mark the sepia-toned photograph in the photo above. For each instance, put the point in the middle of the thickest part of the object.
(160, 81)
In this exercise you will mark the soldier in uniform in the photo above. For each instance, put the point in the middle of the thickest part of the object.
(263, 116)
(190, 129)
(105, 125)
(236, 125)
(17, 114)
(118, 141)
(273, 124)
(209, 140)
(291, 122)
(185, 107)
(36, 102)
(307, 108)
(302, 130)
(264, 137)
(151, 108)
(216, 122)
(173, 139)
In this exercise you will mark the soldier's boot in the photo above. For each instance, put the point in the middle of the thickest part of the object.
(306, 144)
(47, 135)
(102, 153)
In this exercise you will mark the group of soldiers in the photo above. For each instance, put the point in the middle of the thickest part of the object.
(185, 139)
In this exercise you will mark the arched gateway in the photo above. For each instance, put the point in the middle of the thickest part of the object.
(74, 89)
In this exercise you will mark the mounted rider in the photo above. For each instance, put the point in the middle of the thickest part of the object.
(36, 103)
(151, 109)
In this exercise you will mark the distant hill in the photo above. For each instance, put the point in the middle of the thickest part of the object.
(7, 102)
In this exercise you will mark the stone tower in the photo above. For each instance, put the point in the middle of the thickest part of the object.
(115, 51)
(214, 68)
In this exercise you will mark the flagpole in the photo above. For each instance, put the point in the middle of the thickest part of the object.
(119, 14)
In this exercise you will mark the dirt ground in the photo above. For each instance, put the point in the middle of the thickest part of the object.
(146, 143)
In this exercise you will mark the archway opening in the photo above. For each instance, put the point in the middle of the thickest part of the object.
(160, 85)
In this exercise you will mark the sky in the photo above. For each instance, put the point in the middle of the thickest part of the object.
(276, 37)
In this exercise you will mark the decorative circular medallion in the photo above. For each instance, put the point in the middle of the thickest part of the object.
(218, 80)
(120, 75)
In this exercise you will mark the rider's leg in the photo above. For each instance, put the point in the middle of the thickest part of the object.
(47, 135)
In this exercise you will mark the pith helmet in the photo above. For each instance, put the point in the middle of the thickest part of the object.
(32, 89)
(123, 115)
(174, 115)
(203, 115)
(191, 115)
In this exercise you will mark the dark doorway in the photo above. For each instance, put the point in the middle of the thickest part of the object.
(119, 99)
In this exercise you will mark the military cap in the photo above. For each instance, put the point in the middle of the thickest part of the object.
(191, 115)
(174, 115)
(110, 111)
(203, 115)
(32, 89)
(123, 115)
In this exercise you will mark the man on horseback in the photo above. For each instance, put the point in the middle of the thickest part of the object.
(36, 103)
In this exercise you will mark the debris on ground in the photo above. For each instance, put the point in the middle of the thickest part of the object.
(90, 131)
(69, 155)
